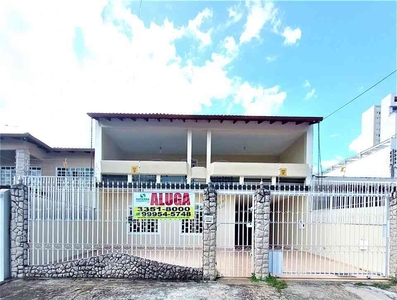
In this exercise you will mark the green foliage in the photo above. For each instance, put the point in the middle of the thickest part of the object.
(270, 280)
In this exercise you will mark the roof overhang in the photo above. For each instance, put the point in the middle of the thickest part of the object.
(209, 118)
(35, 141)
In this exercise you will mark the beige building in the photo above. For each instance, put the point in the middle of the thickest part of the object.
(22, 154)
(203, 148)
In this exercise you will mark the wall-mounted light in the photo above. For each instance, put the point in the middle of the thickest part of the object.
(244, 149)
(160, 150)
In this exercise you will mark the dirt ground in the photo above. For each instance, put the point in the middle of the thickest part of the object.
(124, 289)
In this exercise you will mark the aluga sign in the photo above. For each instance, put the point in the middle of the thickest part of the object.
(168, 206)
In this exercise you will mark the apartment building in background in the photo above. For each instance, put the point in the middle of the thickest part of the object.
(377, 156)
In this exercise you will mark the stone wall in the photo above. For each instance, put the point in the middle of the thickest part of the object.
(262, 223)
(19, 229)
(393, 236)
(115, 265)
(22, 163)
(209, 234)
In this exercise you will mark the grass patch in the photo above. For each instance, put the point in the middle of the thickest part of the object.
(379, 285)
(272, 281)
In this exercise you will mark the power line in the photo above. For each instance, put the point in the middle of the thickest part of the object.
(384, 78)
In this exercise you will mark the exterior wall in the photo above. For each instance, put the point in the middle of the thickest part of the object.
(388, 119)
(370, 127)
(145, 167)
(109, 148)
(115, 265)
(258, 169)
(7, 158)
(55, 160)
(373, 165)
(296, 152)
(202, 158)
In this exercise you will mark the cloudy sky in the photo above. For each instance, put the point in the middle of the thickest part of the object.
(62, 59)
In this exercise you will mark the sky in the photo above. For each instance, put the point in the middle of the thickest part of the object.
(62, 59)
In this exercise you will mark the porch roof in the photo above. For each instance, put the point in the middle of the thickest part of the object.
(221, 118)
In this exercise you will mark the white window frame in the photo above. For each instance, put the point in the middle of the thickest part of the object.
(10, 176)
(198, 209)
(88, 172)
(35, 168)
(130, 226)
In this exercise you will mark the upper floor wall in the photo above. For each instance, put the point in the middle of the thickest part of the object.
(202, 140)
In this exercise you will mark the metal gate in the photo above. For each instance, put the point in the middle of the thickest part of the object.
(336, 228)
(74, 218)
(235, 234)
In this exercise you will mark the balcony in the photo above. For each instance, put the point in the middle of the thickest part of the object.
(176, 168)
(260, 170)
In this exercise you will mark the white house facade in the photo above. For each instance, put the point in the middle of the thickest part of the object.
(202, 148)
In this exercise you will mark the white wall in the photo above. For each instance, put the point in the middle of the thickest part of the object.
(296, 152)
(370, 127)
(374, 165)
(388, 120)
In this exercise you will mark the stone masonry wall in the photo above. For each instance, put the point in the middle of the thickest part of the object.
(115, 265)
(22, 162)
(19, 230)
(209, 234)
(262, 223)
(393, 236)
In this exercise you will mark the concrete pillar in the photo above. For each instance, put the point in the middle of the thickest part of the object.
(19, 230)
(261, 225)
(393, 236)
(209, 233)
(22, 163)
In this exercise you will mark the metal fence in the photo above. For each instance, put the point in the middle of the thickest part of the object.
(327, 228)
(76, 218)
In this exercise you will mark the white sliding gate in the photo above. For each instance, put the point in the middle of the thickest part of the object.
(72, 218)
(336, 228)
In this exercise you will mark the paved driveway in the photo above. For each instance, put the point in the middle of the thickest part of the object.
(125, 289)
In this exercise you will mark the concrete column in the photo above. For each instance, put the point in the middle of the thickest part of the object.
(393, 236)
(209, 134)
(261, 225)
(209, 233)
(19, 230)
(22, 163)
(189, 155)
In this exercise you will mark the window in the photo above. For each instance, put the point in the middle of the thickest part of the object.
(225, 179)
(75, 172)
(194, 226)
(7, 175)
(35, 171)
(143, 178)
(141, 226)
(120, 178)
(173, 179)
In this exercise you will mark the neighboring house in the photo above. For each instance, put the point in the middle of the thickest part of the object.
(376, 144)
(22, 154)
(203, 148)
